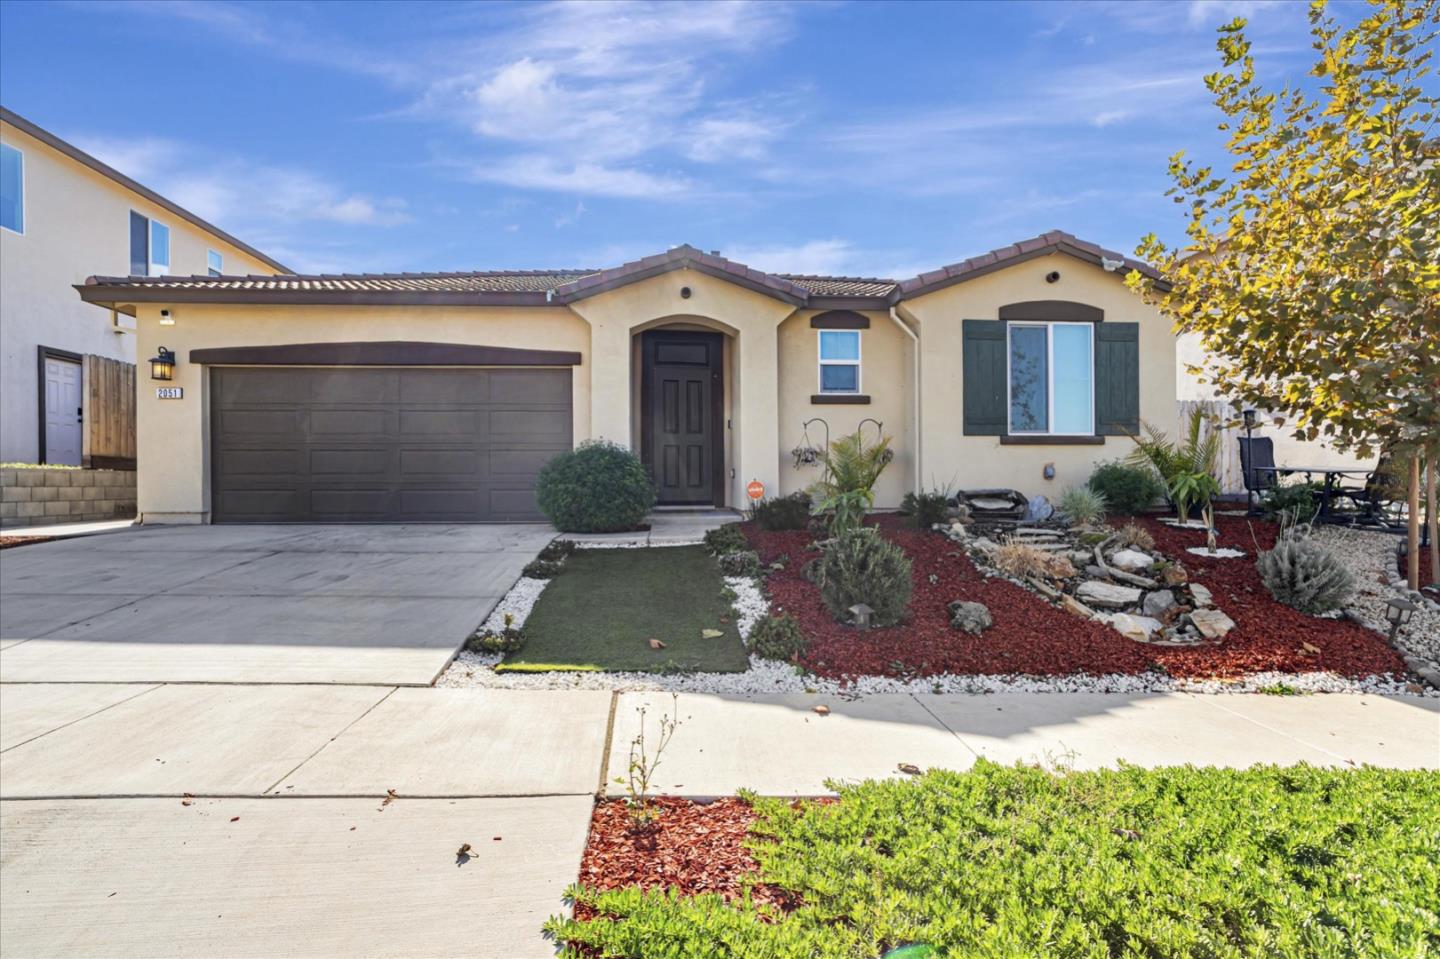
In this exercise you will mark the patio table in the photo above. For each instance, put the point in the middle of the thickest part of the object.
(1329, 486)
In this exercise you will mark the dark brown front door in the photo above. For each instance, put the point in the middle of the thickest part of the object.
(682, 398)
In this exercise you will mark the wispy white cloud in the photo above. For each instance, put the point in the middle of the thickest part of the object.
(236, 192)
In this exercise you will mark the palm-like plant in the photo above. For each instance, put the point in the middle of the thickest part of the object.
(1188, 467)
(846, 487)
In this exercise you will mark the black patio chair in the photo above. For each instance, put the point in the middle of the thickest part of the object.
(1257, 465)
(1381, 501)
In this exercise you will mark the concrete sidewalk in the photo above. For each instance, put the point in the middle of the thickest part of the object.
(778, 745)
(287, 846)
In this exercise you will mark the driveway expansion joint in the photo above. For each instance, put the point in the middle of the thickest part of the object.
(276, 785)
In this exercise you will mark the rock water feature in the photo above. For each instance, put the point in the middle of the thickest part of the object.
(1144, 596)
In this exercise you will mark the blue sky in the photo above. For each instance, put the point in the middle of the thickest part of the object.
(860, 138)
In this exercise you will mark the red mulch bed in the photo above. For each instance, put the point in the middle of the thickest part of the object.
(9, 542)
(1032, 637)
(1402, 564)
(690, 847)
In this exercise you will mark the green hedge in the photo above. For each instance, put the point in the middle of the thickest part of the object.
(1178, 863)
(597, 487)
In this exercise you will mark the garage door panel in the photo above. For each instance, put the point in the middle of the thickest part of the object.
(530, 387)
(366, 464)
(441, 423)
(418, 463)
(352, 386)
(377, 445)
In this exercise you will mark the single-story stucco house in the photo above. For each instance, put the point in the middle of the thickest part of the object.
(415, 397)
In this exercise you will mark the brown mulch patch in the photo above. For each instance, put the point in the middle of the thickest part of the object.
(691, 847)
(6, 542)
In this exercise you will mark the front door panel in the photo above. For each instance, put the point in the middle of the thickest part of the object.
(682, 379)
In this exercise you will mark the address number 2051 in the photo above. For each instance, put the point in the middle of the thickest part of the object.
(169, 392)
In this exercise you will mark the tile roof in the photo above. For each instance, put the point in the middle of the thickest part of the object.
(565, 286)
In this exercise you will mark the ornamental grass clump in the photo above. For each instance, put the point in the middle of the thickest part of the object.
(1304, 575)
(1083, 506)
(1134, 536)
(1023, 561)
(926, 508)
(861, 566)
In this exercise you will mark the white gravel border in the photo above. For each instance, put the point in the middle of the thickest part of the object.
(476, 670)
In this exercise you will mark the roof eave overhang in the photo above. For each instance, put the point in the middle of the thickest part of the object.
(108, 296)
(900, 293)
(594, 286)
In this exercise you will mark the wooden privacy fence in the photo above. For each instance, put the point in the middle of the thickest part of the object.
(1220, 417)
(109, 413)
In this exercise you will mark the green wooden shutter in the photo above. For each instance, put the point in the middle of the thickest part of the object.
(1117, 379)
(984, 377)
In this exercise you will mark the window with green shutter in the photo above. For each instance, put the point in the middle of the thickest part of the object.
(1117, 379)
(983, 369)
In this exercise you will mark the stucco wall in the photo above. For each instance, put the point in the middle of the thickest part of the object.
(886, 357)
(172, 435)
(949, 456)
(77, 224)
(1288, 450)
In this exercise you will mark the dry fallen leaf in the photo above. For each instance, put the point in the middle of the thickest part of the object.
(711, 634)
(389, 798)
(234, 818)
(656, 644)
(909, 769)
(1310, 648)
(464, 849)
(822, 710)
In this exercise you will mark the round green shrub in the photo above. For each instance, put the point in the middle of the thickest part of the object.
(598, 487)
(742, 562)
(1292, 503)
(861, 566)
(1126, 488)
(777, 637)
(726, 539)
(784, 512)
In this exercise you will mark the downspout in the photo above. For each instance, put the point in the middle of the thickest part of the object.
(915, 398)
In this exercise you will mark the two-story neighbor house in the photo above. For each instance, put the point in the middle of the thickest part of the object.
(64, 215)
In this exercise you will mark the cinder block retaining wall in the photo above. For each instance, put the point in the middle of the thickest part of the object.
(32, 497)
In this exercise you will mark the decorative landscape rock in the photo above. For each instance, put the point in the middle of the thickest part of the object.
(1037, 510)
(1138, 628)
(1132, 560)
(973, 618)
(1158, 603)
(1073, 606)
(1212, 623)
(1201, 595)
(1108, 595)
(1174, 575)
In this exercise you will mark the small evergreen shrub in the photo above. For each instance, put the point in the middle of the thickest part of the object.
(783, 512)
(926, 508)
(598, 487)
(1083, 505)
(726, 539)
(1126, 488)
(1302, 574)
(777, 637)
(508, 639)
(861, 566)
(744, 562)
(542, 569)
(558, 550)
(1294, 503)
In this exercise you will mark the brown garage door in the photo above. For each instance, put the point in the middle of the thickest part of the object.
(357, 445)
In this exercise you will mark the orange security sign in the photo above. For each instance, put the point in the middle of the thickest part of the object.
(756, 489)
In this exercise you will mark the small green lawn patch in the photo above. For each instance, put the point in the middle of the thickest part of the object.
(1178, 863)
(606, 605)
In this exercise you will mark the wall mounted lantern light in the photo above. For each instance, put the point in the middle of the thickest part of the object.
(162, 365)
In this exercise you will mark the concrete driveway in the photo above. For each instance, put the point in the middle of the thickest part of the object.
(254, 604)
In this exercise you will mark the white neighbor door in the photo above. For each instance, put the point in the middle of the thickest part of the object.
(62, 412)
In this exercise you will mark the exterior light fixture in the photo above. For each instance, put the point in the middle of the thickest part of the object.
(1398, 611)
(860, 615)
(166, 319)
(162, 365)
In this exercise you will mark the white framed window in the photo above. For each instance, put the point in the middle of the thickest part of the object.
(12, 189)
(1050, 379)
(149, 246)
(839, 361)
(214, 263)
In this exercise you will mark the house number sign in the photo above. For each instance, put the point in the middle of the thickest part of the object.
(169, 392)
